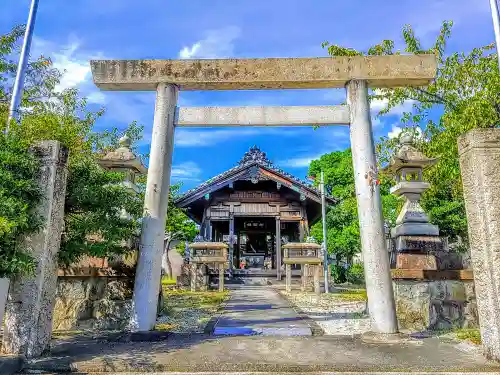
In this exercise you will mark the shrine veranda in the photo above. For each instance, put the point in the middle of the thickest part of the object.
(357, 74)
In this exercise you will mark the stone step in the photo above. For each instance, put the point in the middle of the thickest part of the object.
(273, 373)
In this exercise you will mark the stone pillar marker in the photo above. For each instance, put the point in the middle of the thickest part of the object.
(371, 222)
(479, 151)
(148, 271)
(28, 318)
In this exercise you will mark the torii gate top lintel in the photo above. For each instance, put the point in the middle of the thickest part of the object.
(267, 73)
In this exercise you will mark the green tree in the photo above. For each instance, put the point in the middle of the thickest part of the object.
(464, 95)
(343, 239)
(94, 224)
(19, 193)
(178, 227)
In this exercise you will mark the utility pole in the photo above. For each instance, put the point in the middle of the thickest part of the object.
(325, 248)
(496, 26)
(17, 92)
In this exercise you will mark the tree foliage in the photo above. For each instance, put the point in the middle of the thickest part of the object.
(18, 194)
(342, 219)
(95, 200)
(464, 95)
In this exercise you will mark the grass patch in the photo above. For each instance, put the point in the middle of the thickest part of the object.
(168, 281)
(186, 311)
(351, 295)
(469, 334)
(165, 327)
(176, 300)
(66, 334)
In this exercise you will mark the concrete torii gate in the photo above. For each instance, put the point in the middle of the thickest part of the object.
(356, 74)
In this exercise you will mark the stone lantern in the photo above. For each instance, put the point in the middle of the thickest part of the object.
(124, 160)
(413, 233)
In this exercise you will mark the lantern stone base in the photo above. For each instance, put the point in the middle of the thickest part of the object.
(435, 300)
(415, 229)
(418, 243)
(416, 262)
(199, 277)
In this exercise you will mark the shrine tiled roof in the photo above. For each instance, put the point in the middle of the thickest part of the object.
(253, 157)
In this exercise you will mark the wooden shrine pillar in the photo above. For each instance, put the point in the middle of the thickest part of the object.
(208, 233)
(231, 242)
(301, 231)
(278, 248)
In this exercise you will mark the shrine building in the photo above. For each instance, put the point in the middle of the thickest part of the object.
(255, 207)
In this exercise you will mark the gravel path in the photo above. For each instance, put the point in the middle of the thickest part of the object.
(334, 315)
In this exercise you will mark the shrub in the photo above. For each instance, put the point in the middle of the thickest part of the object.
(19, 196)
(338, 273)
(356, 274)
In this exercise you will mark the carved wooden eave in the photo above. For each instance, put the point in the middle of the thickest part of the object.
(254, 167)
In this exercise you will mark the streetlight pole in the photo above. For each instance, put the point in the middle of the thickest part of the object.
(323, 214)
(496, 26)
(17, 92)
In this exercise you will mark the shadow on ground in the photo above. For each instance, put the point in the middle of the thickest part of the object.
(201, 352)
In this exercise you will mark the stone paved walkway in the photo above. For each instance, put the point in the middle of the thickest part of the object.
(200, 353)
(260, 311)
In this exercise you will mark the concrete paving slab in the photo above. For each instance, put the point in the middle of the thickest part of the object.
(206, 353)
(260, 311)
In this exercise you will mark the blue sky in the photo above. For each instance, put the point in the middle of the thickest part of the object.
(73, 32)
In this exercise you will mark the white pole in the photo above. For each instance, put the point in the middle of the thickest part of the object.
(496, 25)
(148, 269)
(378, 278)
(325, 247)
(17, 92)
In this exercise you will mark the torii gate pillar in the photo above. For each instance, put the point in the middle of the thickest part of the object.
(148, 270)
(381, 305)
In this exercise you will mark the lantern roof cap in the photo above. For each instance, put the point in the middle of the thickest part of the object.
(123, 158)
(407, 156)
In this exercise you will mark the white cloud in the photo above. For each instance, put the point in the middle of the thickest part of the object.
(301, 162)
(216, 44)
(96, 97)
(377, 105)
(395, 132)
(75, 70)
(73, 63)
(186, 171)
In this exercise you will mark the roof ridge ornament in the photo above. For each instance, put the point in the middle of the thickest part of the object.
(255, 155)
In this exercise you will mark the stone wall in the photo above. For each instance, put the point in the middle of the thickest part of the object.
(435, 304)
(93, 303)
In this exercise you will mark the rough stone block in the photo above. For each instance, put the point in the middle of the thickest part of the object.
(92, 303)
(435, 304)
